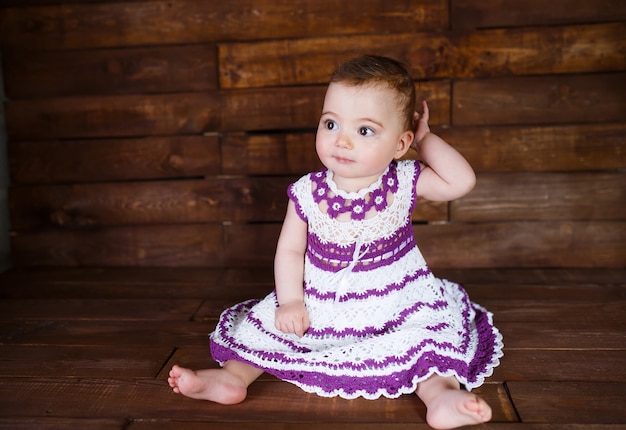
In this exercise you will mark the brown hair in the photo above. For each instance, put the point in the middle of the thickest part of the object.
(378, 70)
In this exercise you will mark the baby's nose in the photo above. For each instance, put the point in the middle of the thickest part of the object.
(343, 141)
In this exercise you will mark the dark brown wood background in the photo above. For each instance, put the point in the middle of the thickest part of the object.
(164, 133)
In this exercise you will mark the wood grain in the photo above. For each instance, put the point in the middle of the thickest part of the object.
(117, 24)
(190, 245)
(471, 54)
(515, 13)
(533, 196)
(76, 161)
(540, 100)
(160, 69)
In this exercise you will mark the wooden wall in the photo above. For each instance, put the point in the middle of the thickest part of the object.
(164, 133)
(4, 185)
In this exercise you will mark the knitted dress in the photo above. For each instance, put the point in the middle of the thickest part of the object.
(381, 322)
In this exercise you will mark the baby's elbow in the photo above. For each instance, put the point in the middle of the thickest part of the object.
(464, 187)
(471, 182)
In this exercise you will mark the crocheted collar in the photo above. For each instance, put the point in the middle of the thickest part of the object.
(356, 203)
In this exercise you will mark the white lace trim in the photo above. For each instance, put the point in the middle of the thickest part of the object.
(351, 195)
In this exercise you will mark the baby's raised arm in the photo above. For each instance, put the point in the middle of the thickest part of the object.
(447, 175)
(291, 315)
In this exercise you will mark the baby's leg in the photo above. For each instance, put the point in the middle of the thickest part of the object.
(448, 406)
(228, 385)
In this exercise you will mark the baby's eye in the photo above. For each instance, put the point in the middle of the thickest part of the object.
(366, 131)
(330, 124)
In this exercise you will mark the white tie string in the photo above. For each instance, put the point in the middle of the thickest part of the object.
(340, 277)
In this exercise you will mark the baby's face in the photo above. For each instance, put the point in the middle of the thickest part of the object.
(359, 133)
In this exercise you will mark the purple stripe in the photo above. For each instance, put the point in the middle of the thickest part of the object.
(284, 359)
(344, 253)
(259, 325)
(373, 292)
(488, 351)
(392, 384)
(371, 330)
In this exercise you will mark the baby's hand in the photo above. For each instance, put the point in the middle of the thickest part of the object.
(292, 317)
(420, 123)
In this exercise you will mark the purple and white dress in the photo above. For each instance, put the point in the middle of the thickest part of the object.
(381, 322)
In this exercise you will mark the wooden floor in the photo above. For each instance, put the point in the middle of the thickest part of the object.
(90, 349)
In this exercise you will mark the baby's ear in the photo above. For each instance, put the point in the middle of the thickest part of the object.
(404, 143)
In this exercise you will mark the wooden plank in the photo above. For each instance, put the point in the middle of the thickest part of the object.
(153, 399)
(98, 309)
(100, 25)
(111, 333)
(266, 154)
(524, 244)
(569, 402)
(564, 292)
(533, 196)
(123, 277)
(565, 365)
(61, 424)
(536, 276)
(540, 148)
(515, 13)
(555, 335)
(82, 361)
(500, 244)
(190, 245)
(109, 290)
(47, 161)
(168, 202)
(191, 425)
(207, 287)
(113, 116)
(184, 113)
(303, 61)
(613, 313)
(250, 245)
(470, 54)
(110, 71)
(540, 100)
(532, 50)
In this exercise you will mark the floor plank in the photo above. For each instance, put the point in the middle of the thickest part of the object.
(569, 402)
(567, 335)
(98, 309)
(61, 424)
(112, 275)
(153, 399)
(562, 365)
(105, 332)
(83, 361)
(191, 425)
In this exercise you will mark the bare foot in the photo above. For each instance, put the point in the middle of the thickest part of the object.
(456, 408)
(215, 385)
